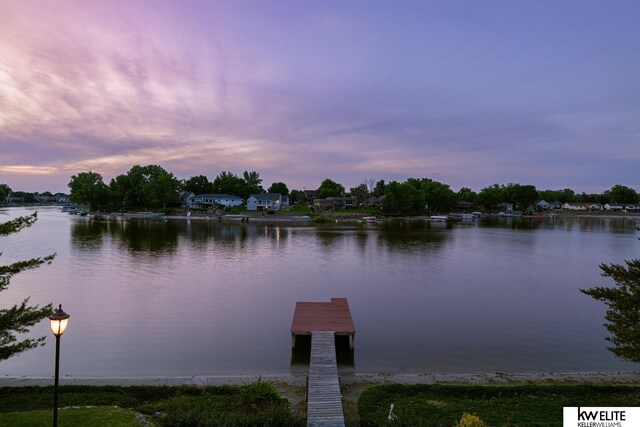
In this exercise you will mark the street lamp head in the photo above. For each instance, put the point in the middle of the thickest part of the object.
(58, 321)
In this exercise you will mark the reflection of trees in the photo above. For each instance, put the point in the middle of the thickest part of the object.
(362, 237)
(88, 233)
(146, 235)
(512, 223)
(612, 225)
(406, 236)
(135, 235)
(233, 235)
(329, 237)
(592, 224)
(162, 237)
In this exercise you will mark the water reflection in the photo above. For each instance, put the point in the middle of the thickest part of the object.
(512, 223)
(494, 294)
(329, 237)
(142, 235)
(407, 236)
(301, 352)
(88, 234)
(164, 237)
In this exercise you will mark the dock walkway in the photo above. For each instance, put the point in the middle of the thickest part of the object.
(324, 401)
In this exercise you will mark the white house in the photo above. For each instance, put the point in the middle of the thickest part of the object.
(542, 204)
(582, 206)
(613, 207)
(266, 201)
(213, 200)
(575, 206)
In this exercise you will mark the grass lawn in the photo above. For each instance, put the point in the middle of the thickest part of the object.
(255, 404)
(73, 417)
(498, 406)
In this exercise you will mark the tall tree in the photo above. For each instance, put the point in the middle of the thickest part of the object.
(490, 197)
(88, 188)
(522, 196)
(230, 183)
(161, 188)
(198, 185)
(622, 194)
(437, 196)
(467, 195)
(120, 193)
(371, 184)
(378, 190)
(361, 192)
(329, 188)
(137, 178)
(279, 187)
(567, 195)
(5, 191)
(297, 196)
(252, 182)
(146, 187)
(19, 318)
(402, 199)
(622, 316)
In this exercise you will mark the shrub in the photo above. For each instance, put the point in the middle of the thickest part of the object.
(469, 420)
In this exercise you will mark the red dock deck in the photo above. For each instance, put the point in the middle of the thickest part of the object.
(332, 316)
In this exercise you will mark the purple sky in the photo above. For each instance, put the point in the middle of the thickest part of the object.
(465, 92)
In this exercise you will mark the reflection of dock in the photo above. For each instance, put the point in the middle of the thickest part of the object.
(323, 321)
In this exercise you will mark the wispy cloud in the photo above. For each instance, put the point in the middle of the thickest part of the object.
(311, 92)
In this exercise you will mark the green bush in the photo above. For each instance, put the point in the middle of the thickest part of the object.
(256, 404)
(469, 420)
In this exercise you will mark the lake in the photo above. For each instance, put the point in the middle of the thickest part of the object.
(178, 298)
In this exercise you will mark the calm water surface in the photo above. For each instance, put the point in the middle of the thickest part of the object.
(153, 298)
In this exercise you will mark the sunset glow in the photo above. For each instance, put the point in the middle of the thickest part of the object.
(468, 93)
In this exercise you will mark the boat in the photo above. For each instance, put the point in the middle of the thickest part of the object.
(438, 218)
(457, 216)
(69, 209)
(371, 220)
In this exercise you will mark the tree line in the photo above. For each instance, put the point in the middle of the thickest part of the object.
(153, 187)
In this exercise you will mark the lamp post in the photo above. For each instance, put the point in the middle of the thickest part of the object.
(58, 320)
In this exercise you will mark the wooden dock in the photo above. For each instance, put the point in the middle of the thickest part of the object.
(323, 321)
(324, 401)
(323, 316)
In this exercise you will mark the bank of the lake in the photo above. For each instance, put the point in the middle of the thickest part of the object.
(500, 399)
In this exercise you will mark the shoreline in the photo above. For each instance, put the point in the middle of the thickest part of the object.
(304, 218)
(494, 378)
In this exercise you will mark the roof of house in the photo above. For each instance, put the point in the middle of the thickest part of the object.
(266, 196)
(218, 196)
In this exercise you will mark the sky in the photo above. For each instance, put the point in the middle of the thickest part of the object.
(468, 93)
